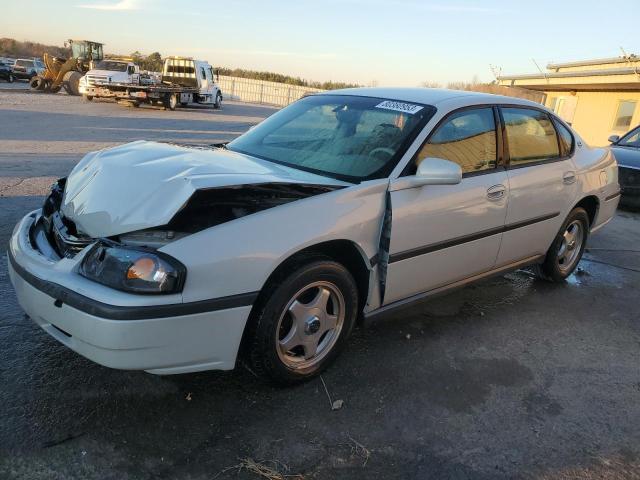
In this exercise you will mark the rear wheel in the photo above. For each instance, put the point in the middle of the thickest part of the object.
(567, 248)
(303, 322)
(171, 101)
(10, 78)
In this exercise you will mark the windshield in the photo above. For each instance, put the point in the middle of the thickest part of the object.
(631, 139)
(112, 66)
(341, 136)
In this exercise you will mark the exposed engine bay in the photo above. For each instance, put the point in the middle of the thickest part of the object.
(54, 235)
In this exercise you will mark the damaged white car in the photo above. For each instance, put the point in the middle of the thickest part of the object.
(343, 205)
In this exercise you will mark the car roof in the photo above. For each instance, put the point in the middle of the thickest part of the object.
(429, 96)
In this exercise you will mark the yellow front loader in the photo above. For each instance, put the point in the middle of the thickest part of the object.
(67, 72)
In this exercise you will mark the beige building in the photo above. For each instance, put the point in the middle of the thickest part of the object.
(598, 98)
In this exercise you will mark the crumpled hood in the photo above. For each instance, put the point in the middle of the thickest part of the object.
(144, 184)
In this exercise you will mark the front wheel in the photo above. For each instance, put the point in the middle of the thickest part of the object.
(218, 102)
(88, 98)
(37, 83)
(10, 78)
(567, 248)
(303, 322)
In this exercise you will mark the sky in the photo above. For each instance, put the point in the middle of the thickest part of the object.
(369, 42)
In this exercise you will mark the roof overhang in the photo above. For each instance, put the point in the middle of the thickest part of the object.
(613, 79)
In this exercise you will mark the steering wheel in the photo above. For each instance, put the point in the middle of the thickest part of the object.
(386, 150)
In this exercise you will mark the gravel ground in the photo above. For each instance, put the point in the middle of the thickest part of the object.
(509, 378)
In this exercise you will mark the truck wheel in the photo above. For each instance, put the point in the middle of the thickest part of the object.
(88, 98)
(218, 103)
(10, 78)
(171, 101)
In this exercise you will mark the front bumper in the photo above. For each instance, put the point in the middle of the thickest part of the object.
(159, 338)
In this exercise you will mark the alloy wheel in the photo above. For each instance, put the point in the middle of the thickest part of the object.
(310, 325)
(571, 246)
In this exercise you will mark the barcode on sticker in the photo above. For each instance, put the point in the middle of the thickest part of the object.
(399, 106)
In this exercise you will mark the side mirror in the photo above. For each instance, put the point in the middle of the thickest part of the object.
(614, 138)
(431, 171)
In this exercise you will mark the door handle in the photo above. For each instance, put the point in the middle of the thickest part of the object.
(496, 192)
(568, 178)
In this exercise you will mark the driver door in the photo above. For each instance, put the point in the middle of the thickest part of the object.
(444, 233)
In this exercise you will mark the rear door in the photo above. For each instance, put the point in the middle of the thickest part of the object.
(542, 181)
(444, 233)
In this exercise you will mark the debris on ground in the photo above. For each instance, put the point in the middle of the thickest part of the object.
(581, 272)
(188, 397)
(359, 450)
(263, 470)
(335, 404)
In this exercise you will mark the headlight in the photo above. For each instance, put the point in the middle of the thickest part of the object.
(132, 269)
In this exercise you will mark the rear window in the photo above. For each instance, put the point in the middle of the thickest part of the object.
(530, 136)
(180, 69)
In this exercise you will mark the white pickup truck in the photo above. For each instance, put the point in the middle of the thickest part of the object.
(108, 71)
(184, 80)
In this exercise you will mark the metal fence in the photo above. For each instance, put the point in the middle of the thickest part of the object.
(258, 91)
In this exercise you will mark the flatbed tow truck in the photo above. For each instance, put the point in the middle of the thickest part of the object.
(184, 80)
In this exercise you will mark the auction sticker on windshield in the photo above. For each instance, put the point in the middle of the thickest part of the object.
(399, 106)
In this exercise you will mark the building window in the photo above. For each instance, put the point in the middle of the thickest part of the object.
(552, 103)
(624, 115)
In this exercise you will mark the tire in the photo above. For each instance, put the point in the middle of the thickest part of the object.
(88, 98)
(37, 83)
(325, 297)
(184, 104)
(218, 103)
(567, 248)
(72, 82)
(11, 78)
(171, 101)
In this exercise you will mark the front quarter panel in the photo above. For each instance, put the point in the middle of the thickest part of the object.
(238, 256)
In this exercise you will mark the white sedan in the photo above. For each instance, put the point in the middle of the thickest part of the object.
(343, 205)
